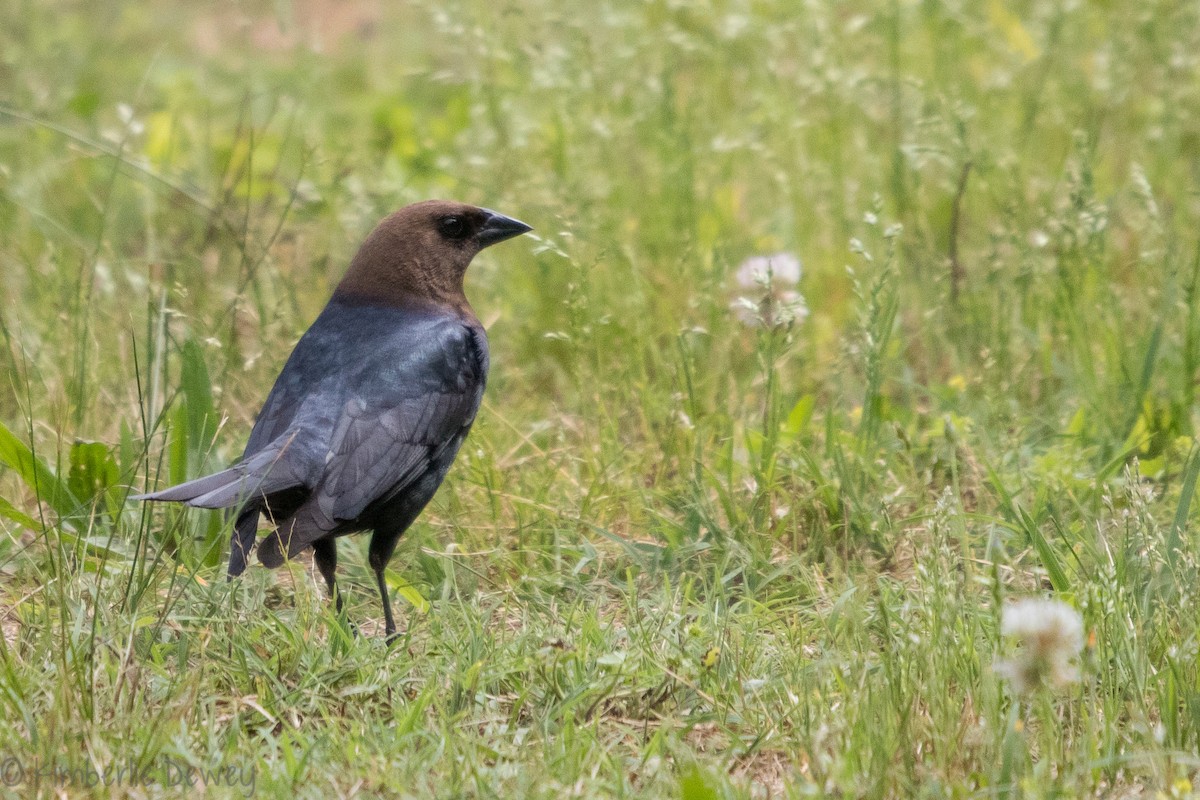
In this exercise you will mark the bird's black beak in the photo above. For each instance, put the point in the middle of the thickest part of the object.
(498, 227)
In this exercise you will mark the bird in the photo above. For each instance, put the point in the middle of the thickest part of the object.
(372, 405)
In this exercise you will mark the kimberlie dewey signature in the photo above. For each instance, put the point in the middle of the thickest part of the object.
(161, 772)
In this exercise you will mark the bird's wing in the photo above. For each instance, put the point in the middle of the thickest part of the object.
(393, 434)
(379, 448)
(378, 457)
(301, 379)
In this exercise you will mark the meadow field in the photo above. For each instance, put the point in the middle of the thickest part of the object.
(844, 328)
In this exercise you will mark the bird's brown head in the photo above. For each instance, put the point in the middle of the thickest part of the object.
(419, 255)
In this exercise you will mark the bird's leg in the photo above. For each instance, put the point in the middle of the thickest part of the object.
(325, 554)
(383, 544)
(389, 624)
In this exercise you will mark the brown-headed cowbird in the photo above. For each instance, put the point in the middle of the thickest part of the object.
(372, 405)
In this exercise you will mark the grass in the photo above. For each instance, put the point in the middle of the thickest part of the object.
(680, 555)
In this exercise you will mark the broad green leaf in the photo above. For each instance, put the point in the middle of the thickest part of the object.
(409, 593)
(49, 488)
(695, 785)
(194, 418)
(11, 512)
(93, 470)
(798, 418)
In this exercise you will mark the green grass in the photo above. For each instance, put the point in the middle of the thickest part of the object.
(679, 556)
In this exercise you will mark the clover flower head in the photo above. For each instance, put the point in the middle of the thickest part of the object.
(781, 268)
(1049, 637)
(777, 302)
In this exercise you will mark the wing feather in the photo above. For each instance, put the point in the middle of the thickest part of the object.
(383, 442)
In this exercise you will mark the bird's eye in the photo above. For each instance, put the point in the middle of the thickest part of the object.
(453, 227)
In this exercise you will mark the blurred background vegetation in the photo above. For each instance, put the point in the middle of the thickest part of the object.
(759, 526)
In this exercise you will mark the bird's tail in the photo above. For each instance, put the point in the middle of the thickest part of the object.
(282, 543)
(291, 536)
(195, 491)
(260, 475)
(248, 487)
(245, 530)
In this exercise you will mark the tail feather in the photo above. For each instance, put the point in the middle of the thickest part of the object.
(262, 474)
(272, 480)
(284, 539)
(183, 492)
(270, 553)
(290, 537)
(245, 530)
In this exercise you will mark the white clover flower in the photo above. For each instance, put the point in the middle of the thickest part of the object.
(779, 303)
(783, 268)
(1049, 634)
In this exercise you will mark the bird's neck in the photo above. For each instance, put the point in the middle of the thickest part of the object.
(406, 286)
(406, 292)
